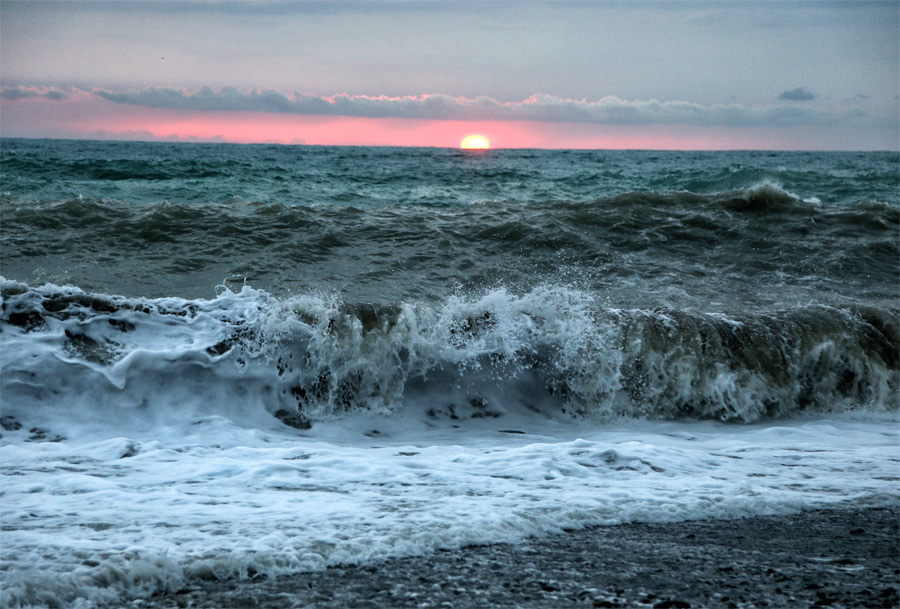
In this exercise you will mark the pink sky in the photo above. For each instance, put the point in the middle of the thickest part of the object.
(664, 75)
(89, 117)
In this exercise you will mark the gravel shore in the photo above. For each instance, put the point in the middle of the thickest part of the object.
(842, 557)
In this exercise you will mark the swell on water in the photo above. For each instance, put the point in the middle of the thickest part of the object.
(552, 350)
(638, 244)
(165, 215)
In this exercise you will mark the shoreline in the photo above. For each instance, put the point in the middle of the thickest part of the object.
(836, 557)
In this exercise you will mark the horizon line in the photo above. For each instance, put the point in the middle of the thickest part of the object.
(467, 151)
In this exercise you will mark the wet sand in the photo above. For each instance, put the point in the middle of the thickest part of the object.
(841, 557)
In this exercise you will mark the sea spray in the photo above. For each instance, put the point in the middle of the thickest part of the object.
(552, 348)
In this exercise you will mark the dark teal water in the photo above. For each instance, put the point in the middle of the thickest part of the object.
(724, 284)
(723, 231)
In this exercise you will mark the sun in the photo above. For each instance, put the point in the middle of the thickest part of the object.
(475, 142)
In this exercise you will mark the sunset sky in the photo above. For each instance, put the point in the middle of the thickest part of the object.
(670, 75)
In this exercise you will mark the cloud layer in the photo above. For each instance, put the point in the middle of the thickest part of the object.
(798, 94)
(609, 110)
(18, 93)
(543, 108)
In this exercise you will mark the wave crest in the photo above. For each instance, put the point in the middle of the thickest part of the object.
(552, 350)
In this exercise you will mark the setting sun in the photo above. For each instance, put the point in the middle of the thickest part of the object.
(475, 142)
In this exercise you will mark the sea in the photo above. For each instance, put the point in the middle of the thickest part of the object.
(233, 362)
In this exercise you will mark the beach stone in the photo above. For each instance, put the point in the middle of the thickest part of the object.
(639, 565)
(293, 419)
(9, 423)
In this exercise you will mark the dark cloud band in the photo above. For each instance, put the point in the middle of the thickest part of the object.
(798, 94)
(543, 108)
(609, 110)
(17, 93)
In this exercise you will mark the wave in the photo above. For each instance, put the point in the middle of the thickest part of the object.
(119, 169)
(553, 350)
(255, 239)
(648, 208)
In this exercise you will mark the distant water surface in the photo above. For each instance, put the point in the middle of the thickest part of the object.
(221, 361)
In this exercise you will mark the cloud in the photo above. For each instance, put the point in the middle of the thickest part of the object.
(18, 93)
(798, 94)
(609, 110)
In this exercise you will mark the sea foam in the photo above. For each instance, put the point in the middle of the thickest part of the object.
(553, 349)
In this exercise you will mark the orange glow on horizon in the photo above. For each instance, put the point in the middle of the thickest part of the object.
(88, 117)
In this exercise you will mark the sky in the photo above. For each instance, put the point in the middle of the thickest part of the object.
(606, 75)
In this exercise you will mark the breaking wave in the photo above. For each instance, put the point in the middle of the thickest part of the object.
(552, 350)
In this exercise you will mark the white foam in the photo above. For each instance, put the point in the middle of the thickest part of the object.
(248, 355)
(170, 466)
(102, 519)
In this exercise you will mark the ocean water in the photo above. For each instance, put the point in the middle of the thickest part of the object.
(235, 361)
